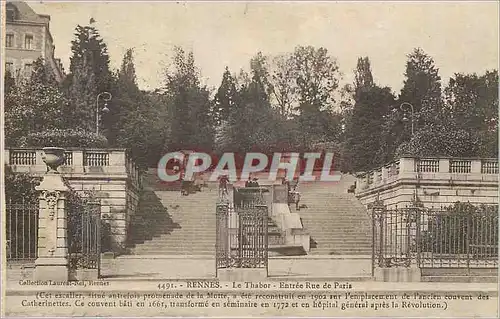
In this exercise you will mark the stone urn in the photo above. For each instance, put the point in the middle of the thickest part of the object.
(53, 157)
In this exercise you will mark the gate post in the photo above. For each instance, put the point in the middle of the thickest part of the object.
(52, 262)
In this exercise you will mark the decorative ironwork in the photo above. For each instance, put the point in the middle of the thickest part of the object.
(84, 236)
(21, 230)
(433, 238)
(242, 233)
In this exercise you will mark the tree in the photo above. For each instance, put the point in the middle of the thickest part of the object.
(472, 103)
(90, 75)
(226, 96)
(422, 87)
(283, 84)
(252, 122)
(126, 102)
(317, 78)
(363, 137)
(191, 110)
(34, 105)
(363, 78)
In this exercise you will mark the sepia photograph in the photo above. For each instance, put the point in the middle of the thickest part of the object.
(249, 159)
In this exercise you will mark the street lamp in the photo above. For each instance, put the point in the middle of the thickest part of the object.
(412, 114)
(106, 96)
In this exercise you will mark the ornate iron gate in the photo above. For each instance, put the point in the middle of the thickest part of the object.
(84, 237)
(241, 235)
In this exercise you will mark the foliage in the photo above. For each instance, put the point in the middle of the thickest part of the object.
(467, 124)
(20, 187)
(90, 75)
(136, 121)
(64, 138)
(422, 83)
(33, 105)
(472, 102)
(437, 140)
(317, 78)
(363, 137)
(190, 108)
(226, 97)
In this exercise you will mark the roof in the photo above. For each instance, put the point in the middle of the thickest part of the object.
(25, 13)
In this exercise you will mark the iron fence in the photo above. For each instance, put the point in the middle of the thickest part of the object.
(21, 230)
(84, 236)
(435, 238)
(241, 235)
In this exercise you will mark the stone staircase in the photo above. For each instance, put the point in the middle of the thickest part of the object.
(337, 222)
(171, 224)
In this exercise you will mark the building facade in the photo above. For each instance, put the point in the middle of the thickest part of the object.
(27, 38)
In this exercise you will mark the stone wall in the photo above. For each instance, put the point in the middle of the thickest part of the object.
(435, 181)
(108, 172)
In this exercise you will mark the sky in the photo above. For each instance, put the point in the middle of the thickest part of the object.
(460, 36)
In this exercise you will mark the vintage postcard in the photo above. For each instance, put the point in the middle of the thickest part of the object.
(249, 159)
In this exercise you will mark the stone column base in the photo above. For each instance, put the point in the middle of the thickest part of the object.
(51, 268)
(242, 274)
(411, 274)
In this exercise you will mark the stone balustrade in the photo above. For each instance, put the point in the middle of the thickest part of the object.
(77, 161)
(428, 168)
(457, 179)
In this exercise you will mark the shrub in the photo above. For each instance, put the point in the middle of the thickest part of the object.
(20, 187)
(64, 138)
(459, 226)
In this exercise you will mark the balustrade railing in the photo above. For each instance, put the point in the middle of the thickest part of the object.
(92, 158)
(440, 167)
(427, 165)
(75, 160)
(489, 167)
(460, 166)
(68, 159)
(22, 157)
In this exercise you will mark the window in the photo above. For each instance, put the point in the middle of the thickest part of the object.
(28, 69)
(28, 42)
(11, 14)
(9, 67)
(9, 40)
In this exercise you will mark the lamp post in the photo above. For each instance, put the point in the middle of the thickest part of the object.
(106, 96)
(401, 107)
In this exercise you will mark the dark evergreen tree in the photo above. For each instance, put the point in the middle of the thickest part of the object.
(90, 75)
(191, 111)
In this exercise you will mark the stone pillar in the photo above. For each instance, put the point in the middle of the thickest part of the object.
(475, 167)
(406, 165)
(52, 262)
(7, 157)
(444, 165)
(78, 161)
